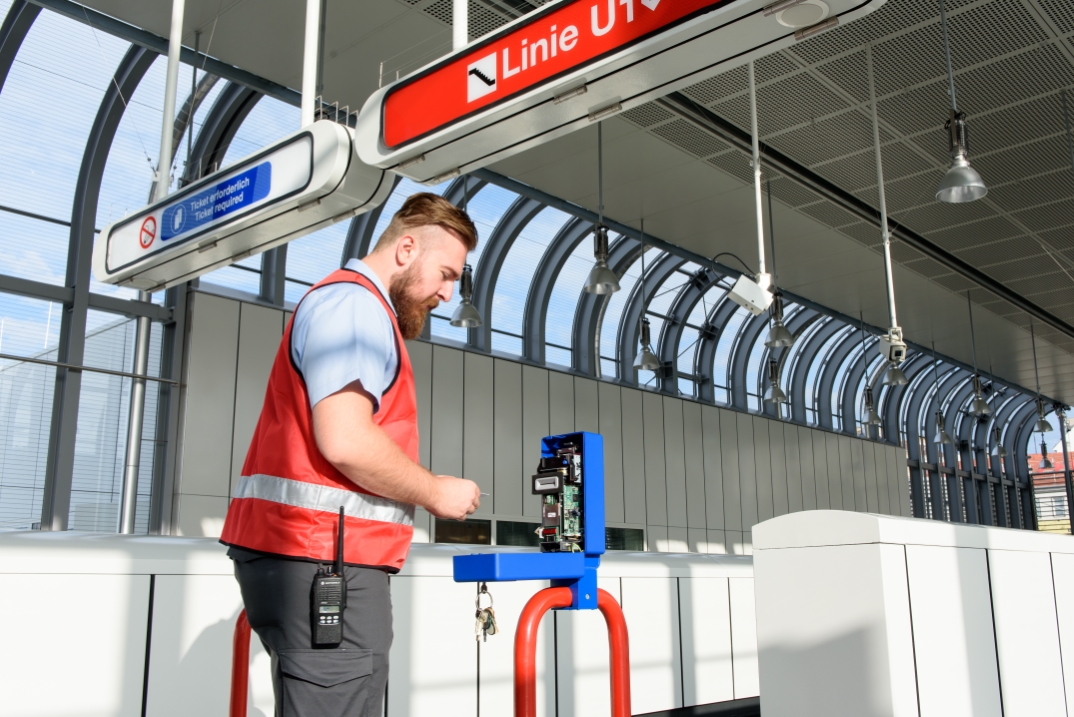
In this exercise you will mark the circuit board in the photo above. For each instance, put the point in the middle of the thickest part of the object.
(559, 482)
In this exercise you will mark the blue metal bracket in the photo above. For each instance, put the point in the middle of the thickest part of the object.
(578, 571)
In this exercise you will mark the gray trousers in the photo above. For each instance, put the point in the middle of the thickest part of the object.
(346, 681)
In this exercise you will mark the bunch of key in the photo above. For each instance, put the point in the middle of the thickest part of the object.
(486, 617)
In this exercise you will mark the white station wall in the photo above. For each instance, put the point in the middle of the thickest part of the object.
(696, 477)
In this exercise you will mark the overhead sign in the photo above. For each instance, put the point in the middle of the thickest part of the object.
(557, 69)
(567, 37)
(304, 182)
(187, 215)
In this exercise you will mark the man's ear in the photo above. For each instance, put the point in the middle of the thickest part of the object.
(406, 248)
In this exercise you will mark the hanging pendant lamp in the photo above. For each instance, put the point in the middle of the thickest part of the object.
(941, 437)
(646, 360)
(892, 346)
(1045, 462)
(602, 280)
(872, 418)
(774, 394)
(466, 314)
(998, 450)
(779, 337)
(978, 406)
(962, 183)
(1043, 426)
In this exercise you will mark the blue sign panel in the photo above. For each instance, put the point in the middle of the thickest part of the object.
(217, 201)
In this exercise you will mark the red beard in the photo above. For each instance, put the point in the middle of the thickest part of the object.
(410, 313)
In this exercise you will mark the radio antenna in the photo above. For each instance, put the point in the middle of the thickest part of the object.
(339, 544)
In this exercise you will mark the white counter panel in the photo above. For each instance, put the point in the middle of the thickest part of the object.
(705, 609)
(72, 644)
(651, 607)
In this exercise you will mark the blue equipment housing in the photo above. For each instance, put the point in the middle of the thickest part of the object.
(576, 568)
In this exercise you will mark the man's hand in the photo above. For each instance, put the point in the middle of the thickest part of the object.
(456, 498)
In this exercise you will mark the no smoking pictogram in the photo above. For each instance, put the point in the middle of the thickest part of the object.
(148, 232)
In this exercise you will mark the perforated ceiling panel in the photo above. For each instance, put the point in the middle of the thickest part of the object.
(1012, 60)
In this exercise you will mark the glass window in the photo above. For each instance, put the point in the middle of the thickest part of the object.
(509, 532)
(563, 302)
(28, 327)
(516, 278)
(101, 439)
(625, 539)
(467, 532)
(721, 365)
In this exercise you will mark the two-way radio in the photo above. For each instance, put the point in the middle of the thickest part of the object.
(328, 599)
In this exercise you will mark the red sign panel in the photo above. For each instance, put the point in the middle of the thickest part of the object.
(554, 42)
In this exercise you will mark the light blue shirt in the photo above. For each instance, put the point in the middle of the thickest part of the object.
(341, 334)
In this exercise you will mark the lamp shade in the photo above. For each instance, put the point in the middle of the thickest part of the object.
(961, 184)
(1045, 463)
(872, 418)
(893, 376)
(1042, 425)
(466, 315)
(779, 336)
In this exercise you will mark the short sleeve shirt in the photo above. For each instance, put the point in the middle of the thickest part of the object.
(342, 334)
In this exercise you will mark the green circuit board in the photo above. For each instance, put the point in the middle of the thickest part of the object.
(572, 512)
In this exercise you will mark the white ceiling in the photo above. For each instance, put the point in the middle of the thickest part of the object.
(686, 200)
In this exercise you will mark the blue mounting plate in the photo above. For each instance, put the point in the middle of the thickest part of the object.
(503, 567)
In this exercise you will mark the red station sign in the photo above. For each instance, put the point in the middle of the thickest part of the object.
(563, 38)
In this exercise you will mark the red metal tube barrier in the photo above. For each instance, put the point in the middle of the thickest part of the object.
(526, 649)
(240, 666)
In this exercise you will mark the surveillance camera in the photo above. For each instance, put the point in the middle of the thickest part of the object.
(892, 347)
(751, 295)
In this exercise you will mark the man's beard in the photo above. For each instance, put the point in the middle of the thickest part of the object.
(410, 313)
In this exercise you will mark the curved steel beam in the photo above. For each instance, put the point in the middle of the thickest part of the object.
(185, 117)
(797, 324)
(487, 272)
(853, 386)
(17, 23)
(711, 334)
(681, 307)
(748, 335)
(629, 329)
(804, 362)
(56, 501)
(894, 397)
(830, 374)
(535, 314)
(589, 315)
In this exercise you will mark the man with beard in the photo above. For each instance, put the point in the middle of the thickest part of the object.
(339, 429)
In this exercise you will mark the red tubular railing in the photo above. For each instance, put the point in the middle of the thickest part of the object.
(240, 666)
(526, 649)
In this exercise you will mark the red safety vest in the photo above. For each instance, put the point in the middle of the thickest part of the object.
(287, 501)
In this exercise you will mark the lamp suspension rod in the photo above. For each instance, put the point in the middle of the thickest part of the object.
(642, 315)
(600, 173)
(757, 170)
(1033, 339)
(310, 56)
(973, 336)
(947, 56)
(885, 234)
(190, 113)
(864, 361)
(460, 24)
(771, 228)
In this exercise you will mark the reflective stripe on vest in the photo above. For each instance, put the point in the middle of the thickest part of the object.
(321, 497)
